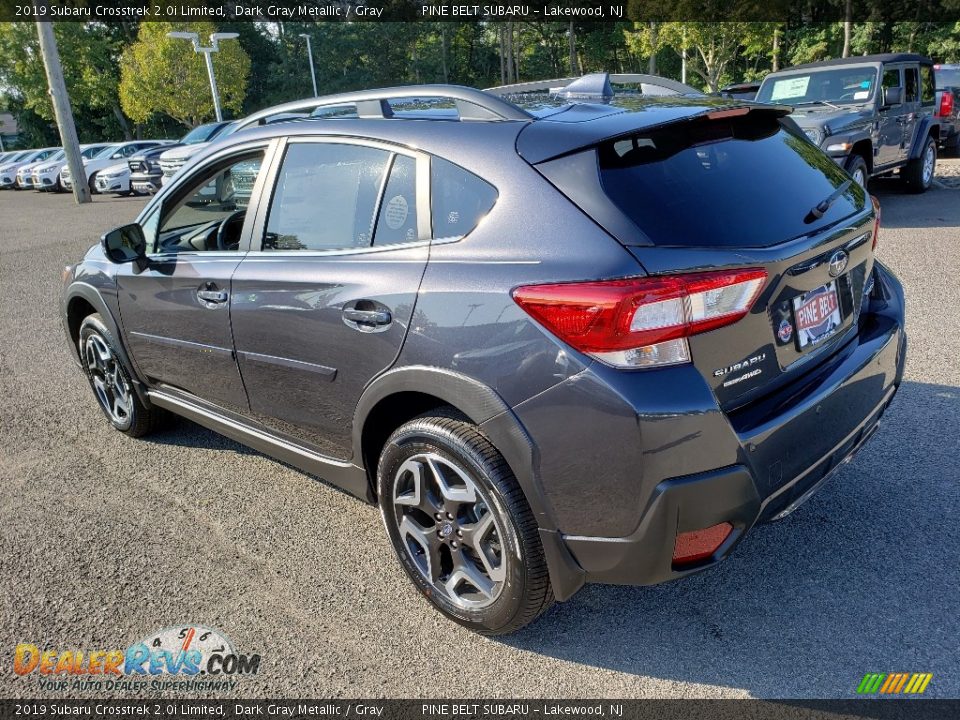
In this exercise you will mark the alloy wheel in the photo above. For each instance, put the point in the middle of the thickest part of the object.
(106, 376)
(929, 160)
(449, 531)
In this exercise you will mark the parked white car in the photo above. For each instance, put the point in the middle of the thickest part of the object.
(46, 175)
(23, 177)
(115, 179)
(111, 155)
(10, 165)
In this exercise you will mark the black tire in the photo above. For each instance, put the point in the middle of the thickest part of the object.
(444, 439)
(92, 184)
(111, 381)
(915, 174)
(856, 166)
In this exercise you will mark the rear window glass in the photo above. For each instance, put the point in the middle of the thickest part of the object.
(743, 182)
(947, 77)
(459, 199)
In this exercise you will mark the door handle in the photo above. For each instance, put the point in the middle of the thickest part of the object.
(367, 317)
(212, 296)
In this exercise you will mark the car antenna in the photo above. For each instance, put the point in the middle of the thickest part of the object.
(820, 209)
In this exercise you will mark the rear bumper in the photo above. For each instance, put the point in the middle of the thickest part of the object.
(835, 412)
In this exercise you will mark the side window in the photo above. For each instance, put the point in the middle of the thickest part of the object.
(912, 92)
(927, 86)
(891, 78)
(397, 221)
(219, 192)
(459, 199)
(325, 197)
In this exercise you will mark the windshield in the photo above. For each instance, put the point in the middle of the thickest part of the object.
(833, 86)
(201, 134)
(57, 156)
(92, 152)
(106, 152)
(947, 77)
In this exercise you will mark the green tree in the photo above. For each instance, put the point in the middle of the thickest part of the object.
(164, 75)
(712, 47)
(89, 54)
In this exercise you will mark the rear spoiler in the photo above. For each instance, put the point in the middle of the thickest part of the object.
(552, 137)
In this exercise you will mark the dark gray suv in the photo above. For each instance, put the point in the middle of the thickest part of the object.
(584, 342)
(873, 114)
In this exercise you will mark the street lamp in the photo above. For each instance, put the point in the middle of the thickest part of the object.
(313, 74)
(215, 39)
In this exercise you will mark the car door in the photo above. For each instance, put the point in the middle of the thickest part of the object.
(322, 303)
(889, 125)
(176, 311)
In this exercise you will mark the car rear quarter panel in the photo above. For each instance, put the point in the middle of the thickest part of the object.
(466, 320)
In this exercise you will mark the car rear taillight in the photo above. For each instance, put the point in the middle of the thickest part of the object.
(876, 221)
(946, 104)
(641, 322)
(697, 545)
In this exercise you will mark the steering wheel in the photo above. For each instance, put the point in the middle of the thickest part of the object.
(232, 218)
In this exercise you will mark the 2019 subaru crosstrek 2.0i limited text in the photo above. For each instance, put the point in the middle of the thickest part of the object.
(582, 343)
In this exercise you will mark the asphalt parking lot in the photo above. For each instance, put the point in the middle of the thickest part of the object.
(107, 539)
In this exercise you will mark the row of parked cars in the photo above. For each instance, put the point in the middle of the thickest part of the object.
(136, 166)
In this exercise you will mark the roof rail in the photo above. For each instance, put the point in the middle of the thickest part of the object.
(597, 86)
(472, 104)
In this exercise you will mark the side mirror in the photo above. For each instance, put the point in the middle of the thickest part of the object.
(892, 96)
(125, 244)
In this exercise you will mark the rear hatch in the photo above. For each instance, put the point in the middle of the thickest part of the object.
(736, 188)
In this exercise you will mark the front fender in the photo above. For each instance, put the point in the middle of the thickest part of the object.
(852, 137)
(84, 291)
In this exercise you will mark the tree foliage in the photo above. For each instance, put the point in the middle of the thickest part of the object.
(126, 79)
(164, 75)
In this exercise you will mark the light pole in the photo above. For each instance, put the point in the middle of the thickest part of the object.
(215, 39)
(313, 74)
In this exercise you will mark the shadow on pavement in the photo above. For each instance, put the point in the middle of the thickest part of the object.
(938, 207)
(863, 578)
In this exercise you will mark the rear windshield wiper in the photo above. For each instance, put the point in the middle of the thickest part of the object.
(820, 209)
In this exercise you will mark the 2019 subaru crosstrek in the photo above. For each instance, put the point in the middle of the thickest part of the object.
(589, 342)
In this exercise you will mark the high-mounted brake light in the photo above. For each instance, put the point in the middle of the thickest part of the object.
(876, 221)
(642, 322)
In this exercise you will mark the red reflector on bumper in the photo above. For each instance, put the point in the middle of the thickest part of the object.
(698, 545)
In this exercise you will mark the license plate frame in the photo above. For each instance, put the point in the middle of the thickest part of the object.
(817, 315)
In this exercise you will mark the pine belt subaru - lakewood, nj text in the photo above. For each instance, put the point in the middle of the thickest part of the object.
(568, 342)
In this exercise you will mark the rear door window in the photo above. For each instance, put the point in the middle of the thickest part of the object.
(397, 220)
(912, 83)
(743, 181)
(927, 89)
(326, 197)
